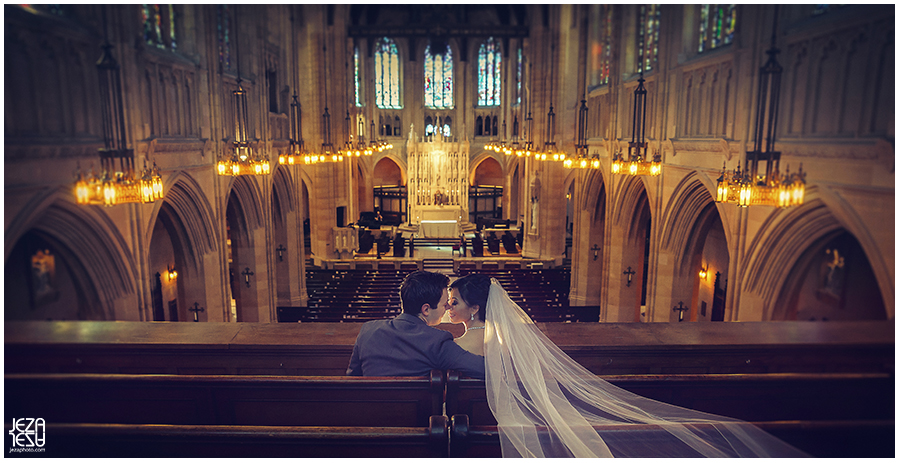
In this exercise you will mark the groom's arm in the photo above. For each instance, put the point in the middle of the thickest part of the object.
(457, 358)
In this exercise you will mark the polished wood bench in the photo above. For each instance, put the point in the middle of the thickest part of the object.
(748, 397)
(83, 440)
(824, 439)
(226, 400)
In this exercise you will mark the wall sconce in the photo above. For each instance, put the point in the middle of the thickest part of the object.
(596, 250)
(172, 274)
(680, 309)
(280, 249)
(704, 272)
(247, 274)
(628, 273)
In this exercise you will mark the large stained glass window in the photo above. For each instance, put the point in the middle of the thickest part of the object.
(438, 77)
(489, 73)
(223, 35)
(357, 83)
(387, 74)
(519, 63)
(601, 44)
(717, 23)
(648, 38)
(159, 25)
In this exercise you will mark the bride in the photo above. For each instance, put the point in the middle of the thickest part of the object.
(547, 405)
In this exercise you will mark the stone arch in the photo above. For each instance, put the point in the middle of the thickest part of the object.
(782, 240)
(186, 198)
(282, 183)
(404, 172)
(91, 241)
(475, 162)
(250, 201)
(687, 215)
(631, 196)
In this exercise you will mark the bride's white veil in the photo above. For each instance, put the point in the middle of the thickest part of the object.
(547, 405)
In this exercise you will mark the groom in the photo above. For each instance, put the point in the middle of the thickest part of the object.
(407, 345)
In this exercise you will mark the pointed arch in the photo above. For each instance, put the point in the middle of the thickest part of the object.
(686, 214)
(90, 239)
(631, 198)
(186, 198)
(250, 200)
(282, 182)
(781, 242)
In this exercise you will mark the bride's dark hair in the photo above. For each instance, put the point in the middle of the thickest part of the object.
(473, 289)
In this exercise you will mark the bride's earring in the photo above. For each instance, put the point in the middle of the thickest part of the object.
(472, 318)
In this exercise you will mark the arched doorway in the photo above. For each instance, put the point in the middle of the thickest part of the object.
(168, 268)
(486, 190)
(44, 280)
(389, 191)
(832, 280)
(241, 262)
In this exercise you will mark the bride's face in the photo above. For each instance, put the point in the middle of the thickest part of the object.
(459, 311)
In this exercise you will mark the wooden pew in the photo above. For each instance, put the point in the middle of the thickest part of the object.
(824, 439)
(226, 400)
(84, 440)
(325, 348)
(748, 397)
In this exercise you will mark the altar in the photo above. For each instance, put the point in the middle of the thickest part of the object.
(439, 221)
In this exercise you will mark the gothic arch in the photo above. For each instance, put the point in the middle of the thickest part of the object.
(687, 215)
(249, 200)
(591, 188)
(631, 195)
(186, 198)
(282, 183)
(90, 238)
(477, 160)
(404, 169)
(780, 243)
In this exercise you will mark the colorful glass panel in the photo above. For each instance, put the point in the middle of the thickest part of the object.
(600, 44)
(356, 82)
(489, 73)
(438, 78)
(387, 74)
(519, 65)
(717, 25)
(173, 44)
(648, 37)
(223, 27)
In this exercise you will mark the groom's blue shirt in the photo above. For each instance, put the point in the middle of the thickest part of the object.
(406, 346)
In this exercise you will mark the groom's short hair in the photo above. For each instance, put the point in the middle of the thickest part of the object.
(420, 288)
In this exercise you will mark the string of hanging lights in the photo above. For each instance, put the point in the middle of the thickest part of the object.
(582, 159)
(637, 162)
(296, 148)
(748, 187)
(327, 152)
(242, 158)
(116, 183)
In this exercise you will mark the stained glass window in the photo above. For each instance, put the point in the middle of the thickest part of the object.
(648, 37)
(489, 73)
(438, 78)
(387, 74)
(601, 43)
(519, 61)
(356, 78)
(717, 23)
(223, 31)
(159, 25)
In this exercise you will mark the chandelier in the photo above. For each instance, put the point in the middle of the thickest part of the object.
(241, 158)
(637, 163)
(116, 183)
(582, 159)
(296, 150)
(296, 147)
(749, 187)
(327, 152)
(376, 145)
(500, 146)
(355, 150)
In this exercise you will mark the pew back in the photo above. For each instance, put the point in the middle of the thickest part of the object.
(749, 397)
(167, 441)
(226, 400)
